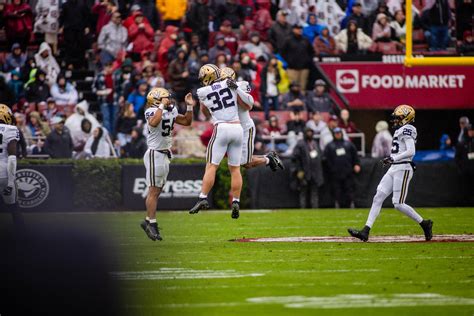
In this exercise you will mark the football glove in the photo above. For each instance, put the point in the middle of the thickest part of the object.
(232, 84)
(7, 191)
(387, 161)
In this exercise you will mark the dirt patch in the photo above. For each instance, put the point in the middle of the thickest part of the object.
(372, 239)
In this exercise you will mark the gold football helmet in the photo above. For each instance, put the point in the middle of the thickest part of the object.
(228, 72)
(6, 115)
(155, 95)
(208, 74)
(402, 115)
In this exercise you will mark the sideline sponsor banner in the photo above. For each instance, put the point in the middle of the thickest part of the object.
(45, 188)
(180, 191)
(383, 86)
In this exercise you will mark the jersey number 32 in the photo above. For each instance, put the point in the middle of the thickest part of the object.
(221, 100)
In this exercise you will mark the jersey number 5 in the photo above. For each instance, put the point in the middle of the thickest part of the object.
(167, 127)
(395, 147)
(223, 99)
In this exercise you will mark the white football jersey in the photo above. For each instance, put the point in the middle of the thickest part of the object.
(401, 135)
(7, 134)
(160, 137)
(244, 115)
(221, 102)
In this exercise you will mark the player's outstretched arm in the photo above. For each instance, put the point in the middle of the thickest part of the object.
(187, 118)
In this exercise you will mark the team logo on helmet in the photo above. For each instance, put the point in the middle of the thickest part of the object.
(208, 74)
(155, 95)
(402, 115)
(6, 114)
(228, 72)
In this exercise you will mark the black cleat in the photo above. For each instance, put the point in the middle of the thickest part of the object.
(145, 226)
(154, 231)
(427, 225)
(235, 210)
(276, 158)
(202, 204)
(362, 234)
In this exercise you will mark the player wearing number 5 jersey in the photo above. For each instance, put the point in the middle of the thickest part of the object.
(248, 159)
(221, 102)
(9, 137)
(398, 176)
(160, 116)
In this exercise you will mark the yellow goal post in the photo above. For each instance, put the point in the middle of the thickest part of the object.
(410, 60)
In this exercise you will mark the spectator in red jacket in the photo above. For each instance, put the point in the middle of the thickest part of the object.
(103, 10)
(18, 23)
(324, 43)
(230, 38)
(170, 36)
(345, 123)
(140, 34)
(262, 19)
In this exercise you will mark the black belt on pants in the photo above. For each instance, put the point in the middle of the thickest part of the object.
(166, 152)
(412, 164)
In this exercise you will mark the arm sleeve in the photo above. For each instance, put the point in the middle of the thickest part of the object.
(410, 152)
(245, 97)
(11, 170)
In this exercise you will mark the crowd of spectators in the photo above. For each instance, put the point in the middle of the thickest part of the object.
(134, 46)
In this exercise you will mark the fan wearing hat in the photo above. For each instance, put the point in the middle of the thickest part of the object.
(381, 31)
(279, 30)
(298, 53)
(318, 99)
(219, 48)
(59, 144)
(343, 163)
(257, 47)
(230, 38)
(140, 34)
(359, 17)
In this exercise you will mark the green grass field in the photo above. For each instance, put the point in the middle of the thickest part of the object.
(196, 270)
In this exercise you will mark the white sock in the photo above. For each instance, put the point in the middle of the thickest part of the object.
(375, 209)
(267, 161)
(236, 200)
(409, 211)
(202, 196)
(147, 219)
(152, 220)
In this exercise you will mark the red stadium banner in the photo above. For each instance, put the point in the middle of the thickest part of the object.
(383, 86)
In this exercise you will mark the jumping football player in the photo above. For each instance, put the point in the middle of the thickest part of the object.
(160, 116)
(221, 101)
(398, 176)
(249, 160)
(9, 137)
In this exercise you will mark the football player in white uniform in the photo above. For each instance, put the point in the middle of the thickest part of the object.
(160, 116)
(9, 137)
(221, 102)
(398, 176)
(249, 160)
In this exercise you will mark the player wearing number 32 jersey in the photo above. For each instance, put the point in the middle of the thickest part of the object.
(220, 100)
(160, 116)
(398, 176)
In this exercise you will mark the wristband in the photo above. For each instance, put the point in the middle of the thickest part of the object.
(189, 108)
